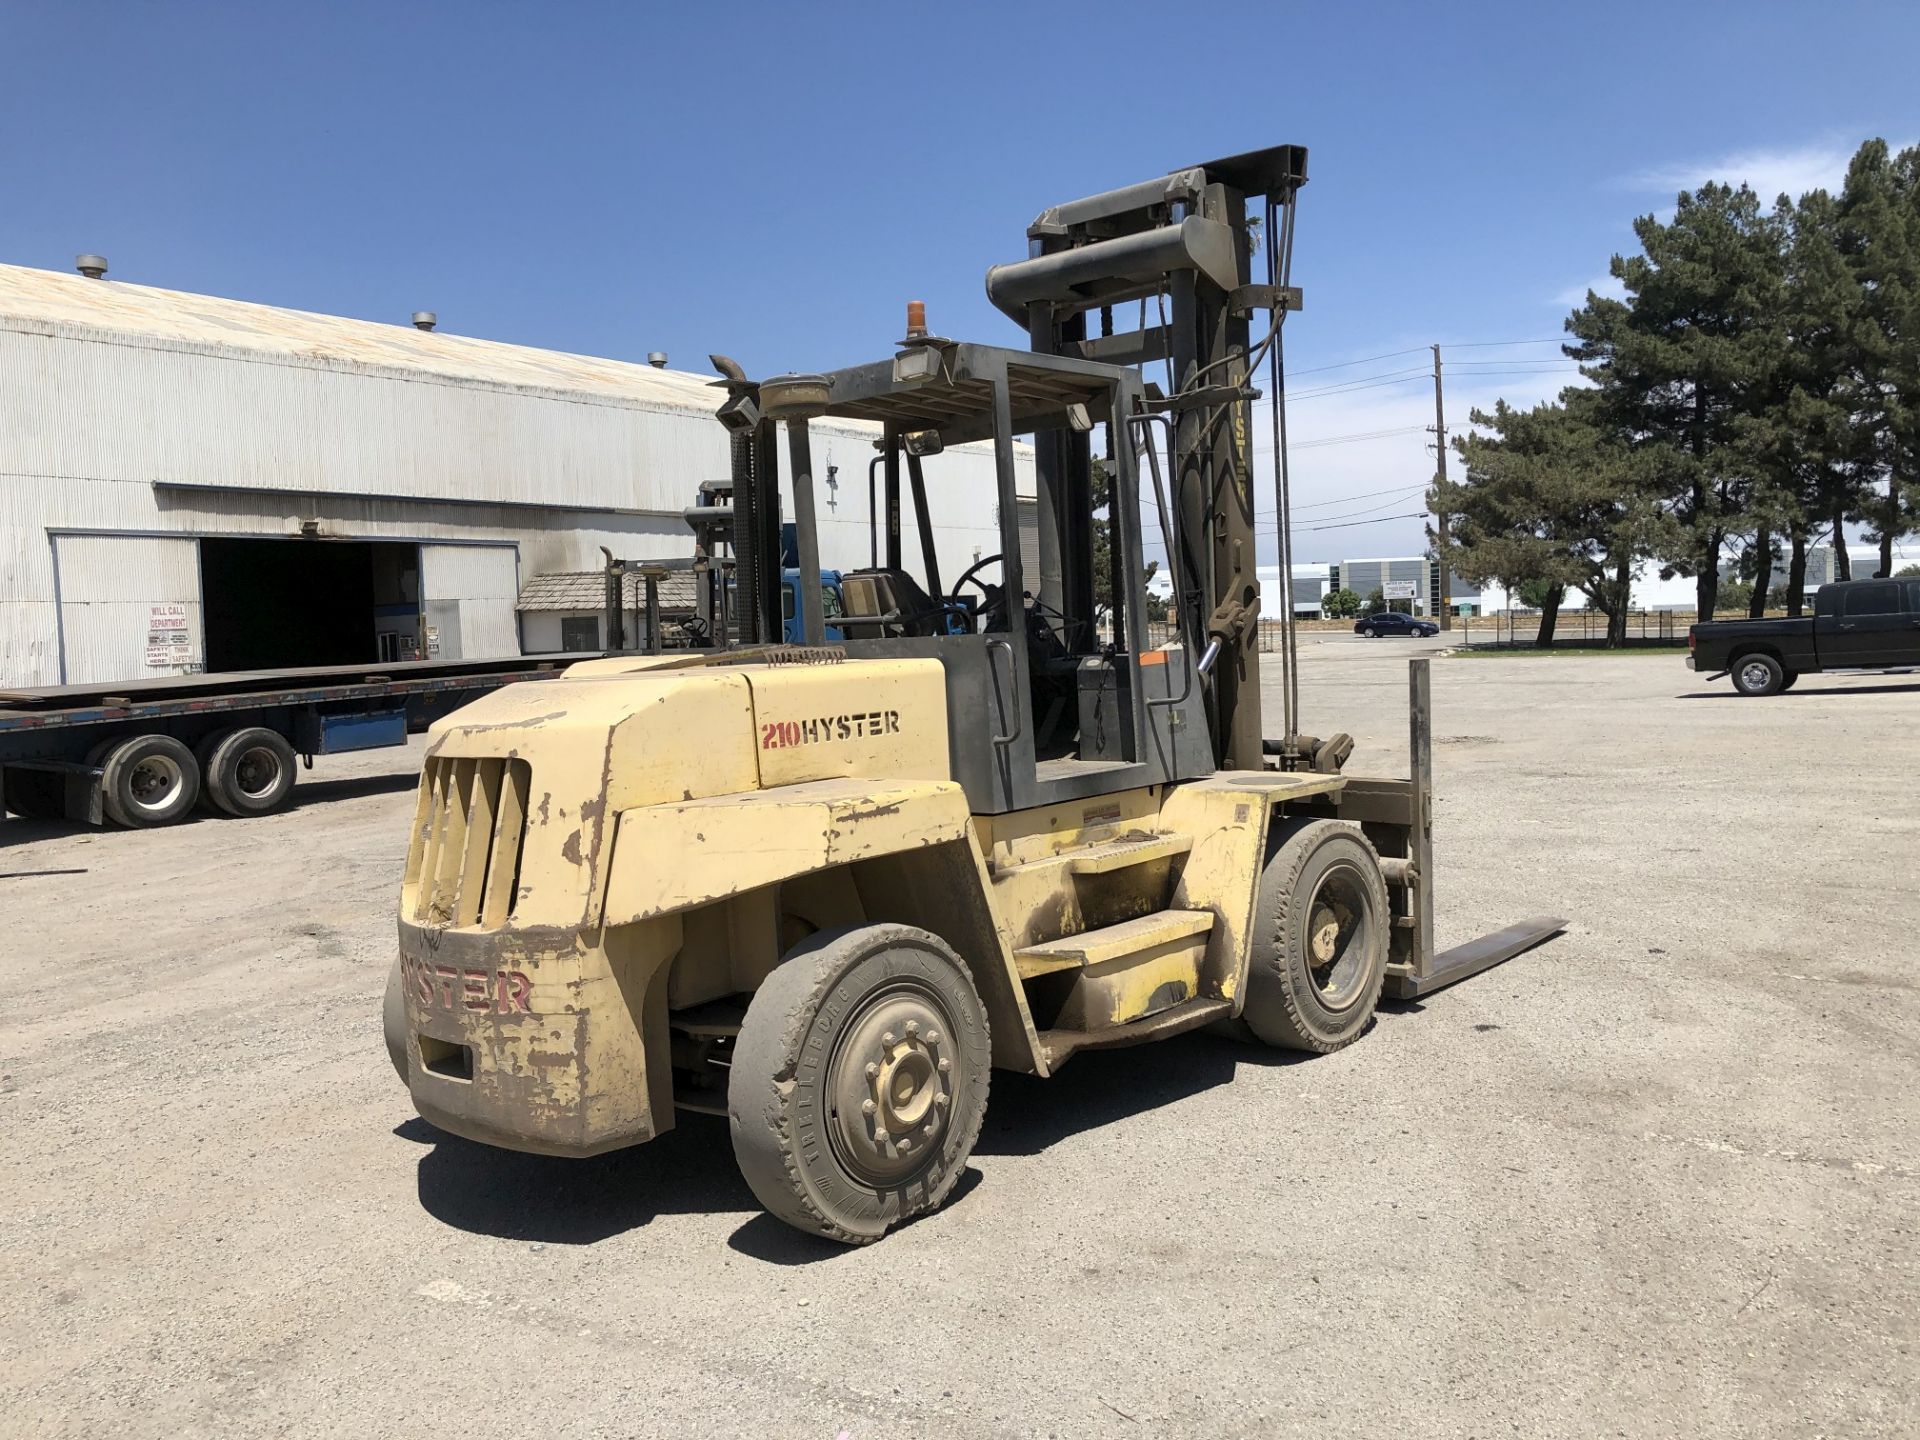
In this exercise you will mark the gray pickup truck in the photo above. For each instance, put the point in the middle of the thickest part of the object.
(1856, 625)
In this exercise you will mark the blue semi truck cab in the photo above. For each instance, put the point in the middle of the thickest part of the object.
(830, 605)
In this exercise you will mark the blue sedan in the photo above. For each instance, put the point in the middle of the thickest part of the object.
(1392, 622)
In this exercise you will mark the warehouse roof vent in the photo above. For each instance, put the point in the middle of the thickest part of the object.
(425, 319)
(657, 359)
(94, 267)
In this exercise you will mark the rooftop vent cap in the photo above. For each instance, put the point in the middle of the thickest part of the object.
(425, 319)
(657, 359)
(94, 267)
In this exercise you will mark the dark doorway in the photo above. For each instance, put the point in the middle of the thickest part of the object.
(276, 604)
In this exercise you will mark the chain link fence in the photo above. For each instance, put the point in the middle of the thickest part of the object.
(1517, 628)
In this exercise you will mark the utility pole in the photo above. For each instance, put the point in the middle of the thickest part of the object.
(1433, 501)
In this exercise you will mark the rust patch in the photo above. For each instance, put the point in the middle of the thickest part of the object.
(876, 812)
(571, 850)
(546, 798)
(534, 723)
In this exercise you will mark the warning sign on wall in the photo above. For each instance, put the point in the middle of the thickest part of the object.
(169, 639)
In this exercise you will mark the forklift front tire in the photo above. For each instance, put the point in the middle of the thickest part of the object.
(859, 1081)
(1320, 937)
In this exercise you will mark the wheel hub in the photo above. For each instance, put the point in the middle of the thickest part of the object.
(1325, 933)
(154, 781)
(257, 771)
(1336, 916)
(892, 1087)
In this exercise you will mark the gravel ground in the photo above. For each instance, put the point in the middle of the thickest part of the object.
(1657, 1178)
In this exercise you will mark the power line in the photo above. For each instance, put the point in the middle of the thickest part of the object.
(1349, 524)
(1352, 439)
(1349, 364)
(1349, 388)
(1490, 344)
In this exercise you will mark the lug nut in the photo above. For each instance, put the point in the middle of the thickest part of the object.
(867, 1107)
(905, 1145)
(932, 1037)
(913, 1027)
(872, 1070)
(945, 1066)
(927, 1129)
(940, 1100)
(886, 1039)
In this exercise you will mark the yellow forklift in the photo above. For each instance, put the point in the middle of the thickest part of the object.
(824, 890)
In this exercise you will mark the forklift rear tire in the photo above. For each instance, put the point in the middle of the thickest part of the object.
(1759, 675)
(250, 771)
(1320, 936)
(393, 1020)
(859, 1081)
(148, 780)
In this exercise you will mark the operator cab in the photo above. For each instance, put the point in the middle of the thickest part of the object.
(1049, 698)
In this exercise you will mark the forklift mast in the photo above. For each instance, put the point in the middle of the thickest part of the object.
(1182, 249)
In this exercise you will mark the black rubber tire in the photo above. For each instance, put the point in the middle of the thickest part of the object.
(250, 771)
(1285, 1007)
(1370, 633)
(393, 1020)
(1789, 680)
(123, 769)
(780, 1093)
(32, 795)
(1759, 675)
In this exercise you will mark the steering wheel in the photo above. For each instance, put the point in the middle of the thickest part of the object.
(992, 597)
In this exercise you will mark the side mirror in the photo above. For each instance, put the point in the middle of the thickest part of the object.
(921, 443)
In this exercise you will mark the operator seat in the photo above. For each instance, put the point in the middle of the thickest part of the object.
(882, 603)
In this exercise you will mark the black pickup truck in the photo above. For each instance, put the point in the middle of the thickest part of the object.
(1856, 625)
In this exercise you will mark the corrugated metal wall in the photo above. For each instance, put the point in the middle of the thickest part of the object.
(153, 413)
(481, 583)
(109, 588)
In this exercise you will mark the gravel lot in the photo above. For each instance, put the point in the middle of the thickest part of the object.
(1658, 1178)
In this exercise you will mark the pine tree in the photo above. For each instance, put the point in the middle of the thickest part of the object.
(1553, 499)
(1878, 233)
(1682, 360)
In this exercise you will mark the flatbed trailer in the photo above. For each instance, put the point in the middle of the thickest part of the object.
(144, 752)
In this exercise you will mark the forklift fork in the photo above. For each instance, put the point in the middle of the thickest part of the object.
(1413, 969)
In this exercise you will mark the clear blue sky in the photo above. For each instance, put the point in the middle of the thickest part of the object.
(776, 181)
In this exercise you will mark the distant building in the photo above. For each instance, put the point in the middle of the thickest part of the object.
(568, 611)
(1406, 582)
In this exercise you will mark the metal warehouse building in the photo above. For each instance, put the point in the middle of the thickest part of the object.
(192, 483)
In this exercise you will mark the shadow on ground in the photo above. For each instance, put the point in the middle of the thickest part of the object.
(15, 830)
(314, 792)
(1804, 693)
(1104, 1087)
(690, 1169)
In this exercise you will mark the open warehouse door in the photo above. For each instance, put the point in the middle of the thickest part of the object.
(276, 603)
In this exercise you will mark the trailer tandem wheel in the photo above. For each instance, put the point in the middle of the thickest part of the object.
(148, 780)
(859, 1081)
(249, 771)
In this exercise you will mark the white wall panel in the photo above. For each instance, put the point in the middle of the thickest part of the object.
(485, 581)
(109, 585)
